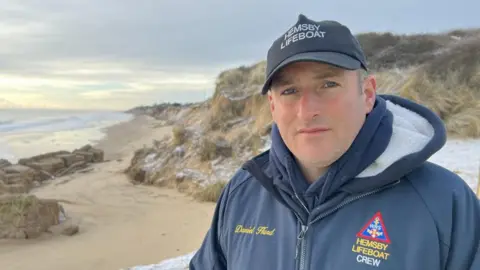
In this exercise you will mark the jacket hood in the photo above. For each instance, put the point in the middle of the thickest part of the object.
(397, 137)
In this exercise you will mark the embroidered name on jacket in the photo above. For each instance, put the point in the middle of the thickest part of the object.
(372, 242)
(260, 230)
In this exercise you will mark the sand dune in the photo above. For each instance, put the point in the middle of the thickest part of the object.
(121, 225)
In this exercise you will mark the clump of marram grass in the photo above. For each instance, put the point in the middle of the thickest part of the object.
(236, 95)
(257, 73)
(16, 205)
(462, 61)
(179, 135)
(248, 140)
(26, 216)
(210, 192)
(449, 85)
(241, 77)
(386, 50)
(457, 104)
(222, 110)
(258, 108)
(211, 148)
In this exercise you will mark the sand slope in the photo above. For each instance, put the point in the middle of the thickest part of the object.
(121, 224)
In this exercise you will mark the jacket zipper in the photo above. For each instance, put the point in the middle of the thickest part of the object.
(300, 201)
(301, 245)
(301, 236)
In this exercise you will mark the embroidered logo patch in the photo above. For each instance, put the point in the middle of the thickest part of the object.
(375, 230)
(372, 242)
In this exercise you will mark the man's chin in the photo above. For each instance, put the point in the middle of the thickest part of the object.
(315, 159)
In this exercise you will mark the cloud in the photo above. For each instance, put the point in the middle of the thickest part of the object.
(73, 52)
(97, 94)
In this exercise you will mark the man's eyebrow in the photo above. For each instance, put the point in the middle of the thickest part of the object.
(281, 80)
(329, 72)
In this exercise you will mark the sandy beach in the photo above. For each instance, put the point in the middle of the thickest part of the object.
(121, 224)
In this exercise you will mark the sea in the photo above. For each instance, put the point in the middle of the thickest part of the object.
(28, 132)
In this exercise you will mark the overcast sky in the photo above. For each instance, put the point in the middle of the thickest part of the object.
(116, 54)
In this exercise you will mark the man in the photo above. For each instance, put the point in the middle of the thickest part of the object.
(346, 183)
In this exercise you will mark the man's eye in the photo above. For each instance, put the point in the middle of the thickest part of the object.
(288, 91)
(329, 84)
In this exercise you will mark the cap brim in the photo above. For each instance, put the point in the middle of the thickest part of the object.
(332, 58)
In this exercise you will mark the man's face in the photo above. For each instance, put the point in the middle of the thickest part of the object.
(319, 109)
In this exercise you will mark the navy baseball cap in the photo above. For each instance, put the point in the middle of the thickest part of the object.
(326, 41)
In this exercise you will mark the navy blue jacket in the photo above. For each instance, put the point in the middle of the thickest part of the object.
(381, 205)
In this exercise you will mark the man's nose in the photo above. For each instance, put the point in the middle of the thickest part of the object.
(309, 105)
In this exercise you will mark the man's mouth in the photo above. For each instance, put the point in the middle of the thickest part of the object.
(316, 130)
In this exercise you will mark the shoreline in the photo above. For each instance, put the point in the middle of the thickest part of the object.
(18, 145)
(121, 225)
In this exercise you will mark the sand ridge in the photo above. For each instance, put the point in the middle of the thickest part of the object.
(121, 224)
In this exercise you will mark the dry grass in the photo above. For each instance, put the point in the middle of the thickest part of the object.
(208, 150)
(257, 106)
(179, 134)
(211, 148)
(463, 60)
(372, 43)
(390, 81)
(26, 216)
(464, 32)
(386, 50)
(257, 73)
(211, 192)
(15, 207)
(255, 143)
(458, 107)
(245, 140)
(234, 81)
(221, 111)
(450, 86)
(236, 95)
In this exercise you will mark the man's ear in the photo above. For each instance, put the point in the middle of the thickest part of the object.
(271, 105)
(270, 101)
(369, 92)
